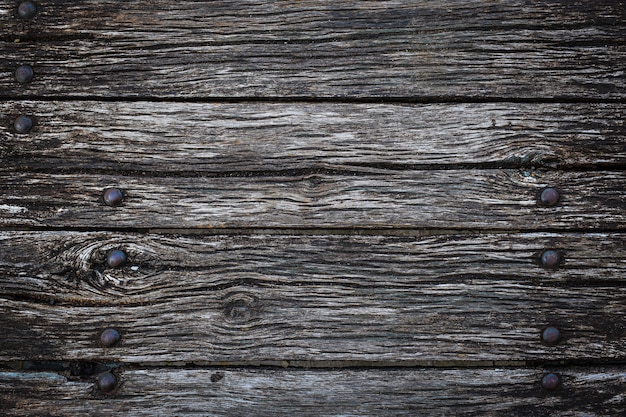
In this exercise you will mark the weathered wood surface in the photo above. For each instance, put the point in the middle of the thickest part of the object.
(422, 300)
(70, 267)
(347, 49)
(587, 391)
(364, 198)
(250, 137)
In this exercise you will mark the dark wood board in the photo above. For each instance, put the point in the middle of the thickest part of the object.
(348, 198)
(392, 299)
(588, 391)
(260, 137)
(347, 49)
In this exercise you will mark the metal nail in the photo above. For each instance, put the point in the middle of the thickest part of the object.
(24, 74)
(551, 336)
(550, 259)
(113, 197)
(116, 258)
(107, 382)
(23, 124)
(551, 381)
(109, 337)
(27, 10)
(549, 197)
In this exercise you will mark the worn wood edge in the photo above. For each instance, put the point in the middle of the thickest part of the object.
(259, 137)
(71, 268)
(596, 391)
(369, 198)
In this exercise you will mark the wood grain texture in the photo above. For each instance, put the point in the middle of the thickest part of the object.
(589, 392)
(70, 267)
(251, 137)
(213, 299)
(347, 49)
(364, 198)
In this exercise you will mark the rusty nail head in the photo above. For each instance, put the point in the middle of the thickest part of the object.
(107, 382)
(24, 74)
(113, 197)
(23, 124)
(27, 10)
(551, 381)
(551, 336)
(116, 258)
(550, 259)
(109, 337)
(549, 197)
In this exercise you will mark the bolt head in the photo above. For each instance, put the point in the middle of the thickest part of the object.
(551, 336)
(549, 197)
(23, 124)
(107, 382)
(113, 197)
(551, 381)
(27, 10)
(550, 259)
(116, 258)
(24, 74)
(109, 337)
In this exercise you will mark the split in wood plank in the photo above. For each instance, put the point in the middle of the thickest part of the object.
(588, 391)
(252, 137)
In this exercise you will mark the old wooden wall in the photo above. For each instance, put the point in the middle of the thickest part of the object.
(330, 208)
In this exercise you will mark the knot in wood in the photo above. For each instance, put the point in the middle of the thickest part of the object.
(240, 307)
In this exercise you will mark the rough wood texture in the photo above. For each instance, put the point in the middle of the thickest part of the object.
(376, 198)
(588, 392)
(348, 49)
(248, 137)
(422, 300)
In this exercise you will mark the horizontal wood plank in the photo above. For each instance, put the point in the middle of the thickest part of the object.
(249, 137)
(347, 49)
(364, 198)
(383, 299)
(70, 267)
(587, 391)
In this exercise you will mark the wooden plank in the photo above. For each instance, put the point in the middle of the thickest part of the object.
(455, 299)
(364, 198)
(238, 137)
(586, 391)
(348, 49)
(70, 267)
(303, 20)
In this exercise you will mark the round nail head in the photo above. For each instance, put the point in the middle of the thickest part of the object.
(116, 258)
(551, 381)
(24, 74)
(113, 197)
(550, 259)
(27, 10)
(23, 124)
(107, 382)
(551, 336)
(109, 337)
(549, 197)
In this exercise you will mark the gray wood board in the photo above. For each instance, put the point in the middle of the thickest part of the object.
(252, 137)
(364, 198)
(586, 391)
(70, 267)
(305, 49)
(424, 300)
